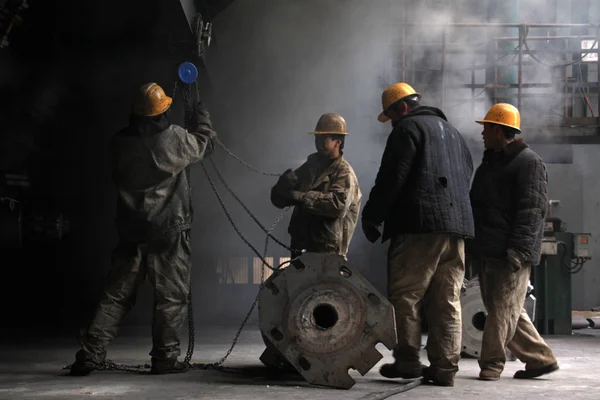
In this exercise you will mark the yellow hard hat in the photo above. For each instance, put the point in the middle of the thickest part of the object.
(330, 124)
(151, 100)
(392, 94)
(503, 114)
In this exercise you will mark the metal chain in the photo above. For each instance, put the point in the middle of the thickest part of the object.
(228, 188)
(218, 364)
(244, 162)
(240, 234)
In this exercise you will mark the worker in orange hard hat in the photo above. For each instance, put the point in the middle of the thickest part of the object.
(509, 199)
(324, 192)
(150, 161)
(421, 195)
(326, 197)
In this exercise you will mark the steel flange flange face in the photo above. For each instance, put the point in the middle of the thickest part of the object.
(324, 318)
(473, 318)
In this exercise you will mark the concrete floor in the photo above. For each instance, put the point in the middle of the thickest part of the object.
(32, 370)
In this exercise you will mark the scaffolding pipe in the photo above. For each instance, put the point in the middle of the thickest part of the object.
(582, 37)
(520, 70)
(498, 25)
(598, 71)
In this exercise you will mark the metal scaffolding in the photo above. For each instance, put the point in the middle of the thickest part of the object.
(483, 47)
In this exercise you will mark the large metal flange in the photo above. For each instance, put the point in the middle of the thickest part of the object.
(473, 318)
(323, 317)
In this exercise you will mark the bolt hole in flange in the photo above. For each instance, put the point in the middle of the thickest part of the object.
(345, 272)
(478, 320)
(276, 334)
(304, 364)
(373, 299)
(325, 316)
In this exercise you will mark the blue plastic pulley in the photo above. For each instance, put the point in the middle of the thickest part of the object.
(188, 73)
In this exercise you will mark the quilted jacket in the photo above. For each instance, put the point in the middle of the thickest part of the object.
(423, 182)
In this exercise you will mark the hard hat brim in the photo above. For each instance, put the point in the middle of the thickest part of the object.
(327, 133)
(168, 103)
(484, 121)
(384, 118)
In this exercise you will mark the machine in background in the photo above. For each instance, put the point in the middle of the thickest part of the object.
(563, 254)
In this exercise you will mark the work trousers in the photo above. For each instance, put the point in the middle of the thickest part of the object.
(507, 325)
(167, 263)
(429, 267)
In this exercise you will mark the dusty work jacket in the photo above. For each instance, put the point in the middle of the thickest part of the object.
(325, 220)
(150, 163)
(509, 196)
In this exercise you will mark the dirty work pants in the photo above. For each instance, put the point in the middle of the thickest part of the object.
(428, 267)
(167, 263)
(508, 325)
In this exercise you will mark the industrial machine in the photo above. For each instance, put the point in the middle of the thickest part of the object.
(563, 254)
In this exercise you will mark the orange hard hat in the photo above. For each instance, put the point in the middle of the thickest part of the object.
(503, 114)
(392, 94)
(151, 100)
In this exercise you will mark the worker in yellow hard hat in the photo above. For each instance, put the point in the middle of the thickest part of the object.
(324, 192)
(326, 197)
(421, 195)
(509, 199)
(150, 168)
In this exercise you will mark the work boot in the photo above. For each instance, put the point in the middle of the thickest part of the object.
(82, 367)
(394, 371)
(535, 372)
(489, 375)
(169, 366)
(438, 377)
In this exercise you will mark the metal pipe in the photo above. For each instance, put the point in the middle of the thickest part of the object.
(443, 67)
(403, 54)
(495, 91)
(520, 69)
(598, 71)
(498, 25)
(546, 37)
(473, 89)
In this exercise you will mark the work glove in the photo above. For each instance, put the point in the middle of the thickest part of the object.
(371, 231)
(296, 197)
(515, 259)
(288, 179)
(199, 120)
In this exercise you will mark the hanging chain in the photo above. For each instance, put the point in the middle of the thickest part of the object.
(240, 234)
(228, 188)
(218, 364)
(244, 162)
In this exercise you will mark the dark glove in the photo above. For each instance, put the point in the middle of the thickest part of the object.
(371, 231)
(296, 197)
(515, 259)
(199, 120)
(288, 179)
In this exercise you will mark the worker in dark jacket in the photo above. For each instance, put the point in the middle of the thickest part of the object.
(151, 161)
(509, 200)
(421, 194)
